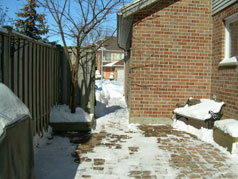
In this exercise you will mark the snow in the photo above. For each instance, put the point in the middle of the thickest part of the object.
(227, 61)
(53, 157)
(105, 91)
(200, 111)
(228, 126)
(111, 89)
(97, 74)
(110, 64)
(12, 108)
(203, 134)
(62, 114)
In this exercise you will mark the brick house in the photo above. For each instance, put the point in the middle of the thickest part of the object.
(111, 64)
(173, 52)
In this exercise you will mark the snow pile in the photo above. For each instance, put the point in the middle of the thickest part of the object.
(62, 114)
(112, 89)
(105, 91)
(11, 108)
(203, 134)
(228, 126)
(42, 141)
(200, 111)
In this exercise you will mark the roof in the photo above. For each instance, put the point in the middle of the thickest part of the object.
(115, 64)
(110, 43)
(125, 17)
(125, 20)
(134, 6)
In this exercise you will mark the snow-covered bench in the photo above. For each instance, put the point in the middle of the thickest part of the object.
(201, 113)
(225, 133)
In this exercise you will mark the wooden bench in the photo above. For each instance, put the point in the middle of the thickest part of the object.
(225, 133)
(199, 112)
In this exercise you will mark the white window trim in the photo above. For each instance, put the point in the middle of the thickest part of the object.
(228, 21)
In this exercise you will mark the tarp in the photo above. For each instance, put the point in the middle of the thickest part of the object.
(16, 139)
(16, 151)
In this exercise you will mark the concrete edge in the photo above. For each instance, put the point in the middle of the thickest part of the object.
(149, 120)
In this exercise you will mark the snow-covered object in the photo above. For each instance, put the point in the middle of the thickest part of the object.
(235, 148)
(62, 114)
(228, 126)
(12, 108)
(200, 111)
(229, 61)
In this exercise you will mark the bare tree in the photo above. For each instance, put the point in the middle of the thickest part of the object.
(82, 25)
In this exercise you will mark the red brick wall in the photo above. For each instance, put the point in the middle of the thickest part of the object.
(171, 56)
(224, 79)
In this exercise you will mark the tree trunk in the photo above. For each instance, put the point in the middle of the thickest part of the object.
(73, 96)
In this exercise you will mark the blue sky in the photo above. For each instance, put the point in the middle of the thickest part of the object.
(15, 6)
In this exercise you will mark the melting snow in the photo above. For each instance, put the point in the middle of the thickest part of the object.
(56, 156)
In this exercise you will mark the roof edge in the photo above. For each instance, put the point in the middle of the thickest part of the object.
(134, 6)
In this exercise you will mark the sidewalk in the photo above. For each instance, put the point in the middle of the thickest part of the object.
(120, 150)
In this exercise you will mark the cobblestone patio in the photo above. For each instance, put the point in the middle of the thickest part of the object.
(189, 156)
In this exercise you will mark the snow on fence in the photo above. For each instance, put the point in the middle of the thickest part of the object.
(31, 69)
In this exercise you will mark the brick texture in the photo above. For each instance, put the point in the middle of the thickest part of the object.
(224, 79)
(171, 57)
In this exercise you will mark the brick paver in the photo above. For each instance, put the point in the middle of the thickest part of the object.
(189, 156)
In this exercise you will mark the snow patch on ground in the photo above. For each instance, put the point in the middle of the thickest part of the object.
(62, 114)
(53, 160)
(205, 135)
(39, 141)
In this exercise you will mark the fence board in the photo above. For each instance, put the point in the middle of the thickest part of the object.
(26, 73)
(6, 60)
(1, 58)
(37, 90)
(34, 81)
(20, 81)
(15, 66)
(32, 70)
(47, 84)
(55, 77)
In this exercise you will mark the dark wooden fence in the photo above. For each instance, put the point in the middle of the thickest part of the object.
(32, 70)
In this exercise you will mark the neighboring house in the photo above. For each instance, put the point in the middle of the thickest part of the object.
(112, 65)
(173, 52)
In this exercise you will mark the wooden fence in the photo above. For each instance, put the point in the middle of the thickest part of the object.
(32, 70)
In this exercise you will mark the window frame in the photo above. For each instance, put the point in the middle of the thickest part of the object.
(228, 21)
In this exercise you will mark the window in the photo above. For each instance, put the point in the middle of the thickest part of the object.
(231, 41)
(119, 56)
(231, 44)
